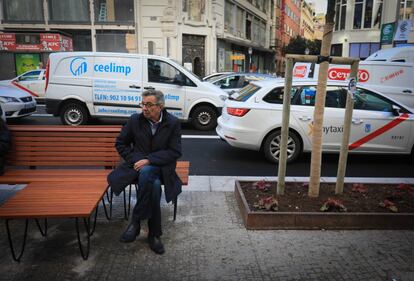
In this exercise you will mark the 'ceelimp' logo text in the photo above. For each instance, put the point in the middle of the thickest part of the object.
(111, 68)
(78, 66)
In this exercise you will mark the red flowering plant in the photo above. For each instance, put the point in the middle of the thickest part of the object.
(268, 203)
(333, 205)
(262, 185)
(389, 205)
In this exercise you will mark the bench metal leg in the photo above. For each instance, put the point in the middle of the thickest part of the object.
(85, 253)
(43, 232)
(11, 241)
(175, 206)
(94, 220)
(127, 209)
(107, 214)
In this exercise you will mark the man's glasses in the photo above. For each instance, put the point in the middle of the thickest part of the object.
(147, 104)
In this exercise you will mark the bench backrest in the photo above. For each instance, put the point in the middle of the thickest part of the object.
(63, 146)
(54, 145)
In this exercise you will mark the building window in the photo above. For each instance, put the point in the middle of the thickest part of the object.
(358, 14)
(114, 11)
(336, 50)
(228, 17)
(194, 8)
(340, 14)
(69, 11)
(368, 13)
(241, 31)
(111, 41)
(362, 50)
(151, 48)
(363, 14)
(406, 10)
(249, 27)
(23, 10)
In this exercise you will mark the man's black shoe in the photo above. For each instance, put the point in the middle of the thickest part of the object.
(156, 244)
(130, 233)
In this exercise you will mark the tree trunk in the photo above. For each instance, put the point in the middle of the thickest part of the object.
(316, 159)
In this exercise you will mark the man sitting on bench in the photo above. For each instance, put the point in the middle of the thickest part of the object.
(150, 144)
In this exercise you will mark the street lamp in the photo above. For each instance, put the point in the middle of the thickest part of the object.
(307, 51)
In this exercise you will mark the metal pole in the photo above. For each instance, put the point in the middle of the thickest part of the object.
(285, 127)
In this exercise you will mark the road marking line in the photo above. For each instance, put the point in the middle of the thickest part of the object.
(379, 131)
(199, 137)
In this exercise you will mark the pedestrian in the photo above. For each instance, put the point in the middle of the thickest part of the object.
(5, 143)
(150, 144)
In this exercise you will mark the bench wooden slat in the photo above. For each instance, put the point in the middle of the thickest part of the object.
(18, 144)
(64, 134)
(65, 139)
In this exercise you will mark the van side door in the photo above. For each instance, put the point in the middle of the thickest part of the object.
(117, 85)
(162, 76)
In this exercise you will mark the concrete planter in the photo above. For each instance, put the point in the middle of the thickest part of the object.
(319, 220)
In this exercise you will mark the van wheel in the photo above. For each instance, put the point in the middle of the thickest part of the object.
(74, 114)
(204, 118)
(271, 147)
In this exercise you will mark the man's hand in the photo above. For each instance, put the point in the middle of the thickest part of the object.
(141, 163)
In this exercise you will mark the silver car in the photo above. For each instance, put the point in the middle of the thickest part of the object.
(16, 103)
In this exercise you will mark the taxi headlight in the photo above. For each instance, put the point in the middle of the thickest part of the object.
(8, 99)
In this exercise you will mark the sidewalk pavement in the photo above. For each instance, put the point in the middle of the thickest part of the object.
(208, 241)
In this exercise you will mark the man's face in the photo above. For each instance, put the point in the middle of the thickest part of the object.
(151, 109)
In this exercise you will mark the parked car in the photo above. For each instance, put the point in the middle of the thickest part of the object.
(2, 114)
(233, 82)
(80, 85)
(16, 103)
(211, 76)
(389, 71)
(253, 120)
(33, 82)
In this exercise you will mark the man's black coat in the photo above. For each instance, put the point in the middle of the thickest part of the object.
(136, 142)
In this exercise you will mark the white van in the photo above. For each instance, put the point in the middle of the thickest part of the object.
(389, 71)
(80, 85)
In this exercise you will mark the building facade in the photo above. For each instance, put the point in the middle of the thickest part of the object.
(307, 25)
(319, 24)
(205, 36)
(358, 25)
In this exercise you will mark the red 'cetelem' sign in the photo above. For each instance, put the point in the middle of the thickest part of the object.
(342, 74)
(300, 71)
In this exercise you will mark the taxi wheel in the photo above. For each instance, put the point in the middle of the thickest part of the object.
(271, 147)
(204, 118)
(74, 114)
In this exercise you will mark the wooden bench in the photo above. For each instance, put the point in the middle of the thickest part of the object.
(67, 157)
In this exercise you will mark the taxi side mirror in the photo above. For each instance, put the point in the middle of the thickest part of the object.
(396, 110)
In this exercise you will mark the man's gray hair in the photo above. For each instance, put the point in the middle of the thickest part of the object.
(157, 94)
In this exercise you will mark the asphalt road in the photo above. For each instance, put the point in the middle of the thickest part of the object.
(211, 156)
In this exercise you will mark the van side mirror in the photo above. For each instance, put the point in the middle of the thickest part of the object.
(396, 110)
(179, 79)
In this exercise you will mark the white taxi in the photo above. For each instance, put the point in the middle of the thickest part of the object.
(253, 120)
(32, 82)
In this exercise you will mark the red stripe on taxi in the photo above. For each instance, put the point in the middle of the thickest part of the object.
(24, 89)
(380, 131)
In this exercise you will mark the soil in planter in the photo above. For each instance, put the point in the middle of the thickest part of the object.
(356, 198)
